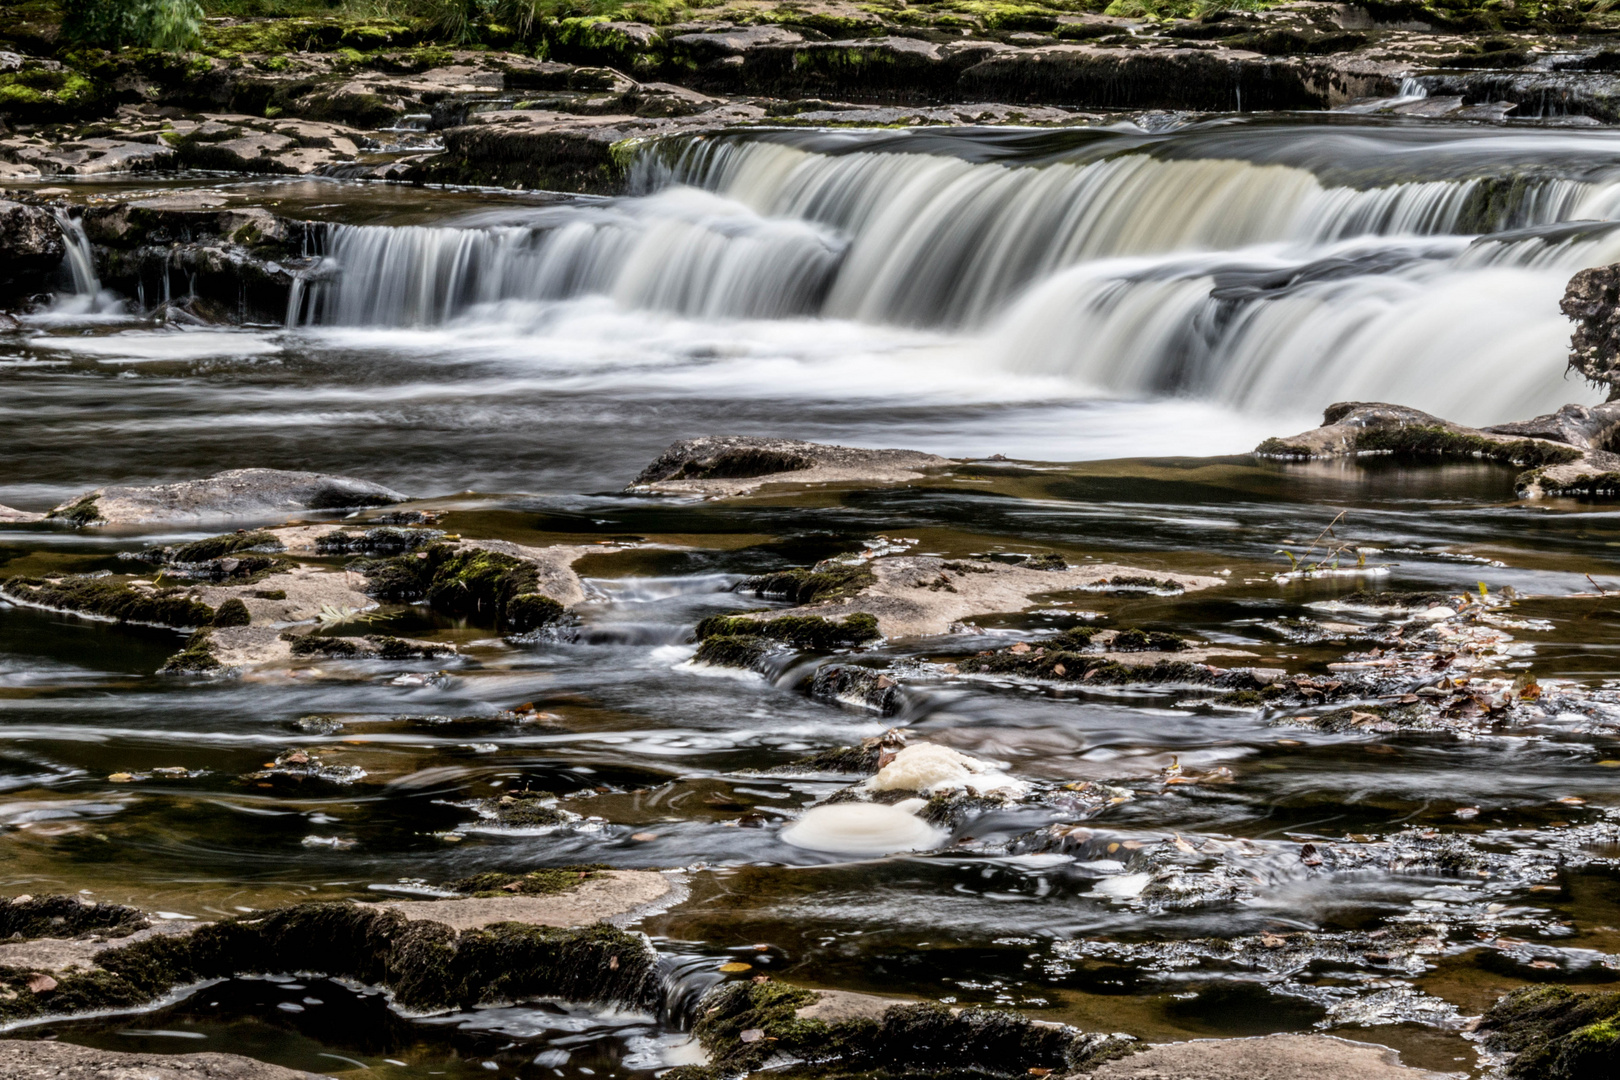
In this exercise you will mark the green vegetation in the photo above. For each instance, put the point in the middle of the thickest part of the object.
(800, 631)
(1556, 1033)
(232, 612)
(167, 25)
(471, 583)
(217, 547)
(65, 917)
(828, 581)
(111, 598)
(1420, 440)
(197, 658)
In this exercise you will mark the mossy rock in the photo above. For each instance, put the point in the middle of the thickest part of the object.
(800, 631)
(217, 547)
(82, 512)
(66, 917)
(1427, 440)
(830, 581)
(427, 965)
(110, 598)
(473, 583)
(232, 612)
(1556, 1033)
(197, 658)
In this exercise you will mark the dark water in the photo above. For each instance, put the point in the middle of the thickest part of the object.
(524, 423)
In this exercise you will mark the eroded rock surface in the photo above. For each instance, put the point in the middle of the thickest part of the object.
(722, 465)
(238, 493)
(1274, 1057)
(33, 1059)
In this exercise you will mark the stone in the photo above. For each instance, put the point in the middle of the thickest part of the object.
(31, 1059)
(31, 245)
(615, 896)
(10, 516)
(726, 465)
(1273, 1057)
(1592, 301)
(237, 493)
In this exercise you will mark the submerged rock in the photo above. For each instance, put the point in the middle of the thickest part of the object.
(1272, 1057)
(857, 687)
(238, 493)
(723, 465)
(519, 590)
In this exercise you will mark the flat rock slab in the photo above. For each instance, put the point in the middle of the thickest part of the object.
(924, 595)
(239, 493)
(22, 1059)
(837, 1006)
(1274, 1057)
(724, 465)
(614, 895)
(10, 516)
(60, 954)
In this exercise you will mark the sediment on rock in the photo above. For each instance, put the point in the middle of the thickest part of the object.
(723, 465)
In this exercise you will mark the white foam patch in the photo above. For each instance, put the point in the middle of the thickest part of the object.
(1123, 887)
(932, 769)
(148, 346)
(862, 829)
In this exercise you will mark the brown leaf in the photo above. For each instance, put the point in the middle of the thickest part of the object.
(41, 984)
(752, 1035)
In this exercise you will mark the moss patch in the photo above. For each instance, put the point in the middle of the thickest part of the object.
(232, 612)
(110, 598)
(81, 512)
(829, 581)
(800, 631)
(66, 917)
(217, 547)
(1556, 1033)
(197, 658)
(1428, 440)
(472, 583)
(733, 651)
(427, 965)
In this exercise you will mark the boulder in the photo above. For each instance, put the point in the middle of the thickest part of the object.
(1350, 428)
(238, 493)
(10, 516)
(720, 465)
(31, 244)
(1592, 300)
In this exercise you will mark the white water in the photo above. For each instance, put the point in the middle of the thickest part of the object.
(1249, 282)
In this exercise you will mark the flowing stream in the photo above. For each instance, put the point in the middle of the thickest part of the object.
(1119, 300)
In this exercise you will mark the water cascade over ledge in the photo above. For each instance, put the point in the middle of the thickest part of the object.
(1264, 267)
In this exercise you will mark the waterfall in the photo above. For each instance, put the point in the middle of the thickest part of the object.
(88, 297)
(1265, 267)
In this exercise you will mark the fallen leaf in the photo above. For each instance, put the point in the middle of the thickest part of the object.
(752, 1035)
(41, 984)
(736, 965)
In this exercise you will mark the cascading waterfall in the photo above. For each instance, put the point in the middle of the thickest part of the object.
(88, 297)
(1241, 271)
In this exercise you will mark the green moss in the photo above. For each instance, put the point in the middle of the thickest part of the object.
(1133, 640)
(828, 581)
(1058, 665)
(1595, 486)
(110, 598)
(1555, 1033)
(216, 547)
(524, 809)
(427, 965)
(800, 631)
(66, 917)
(733, 650)
(197, 658)
(546, 882)
(1420, 440)
(82, 512)
(471, 583)
(232, 613)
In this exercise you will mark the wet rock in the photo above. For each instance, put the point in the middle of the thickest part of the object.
(9, 516)
(857, 687)
(743, 1025)
(300, 767)
(112, 599)
(519, 590)
(31, 245)
(1273, 1057)
(524, 810)
(1585, 427)
(722, 465)
(24, 917)
(237, 493)
(35, 1059)
(924, 595)
(560, 898)
(862, 760)
(381, 540)
(1555, 1033)
(1353, 427)
(798, 631)
(368, 647)
(426, 963)
(1592, 301)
